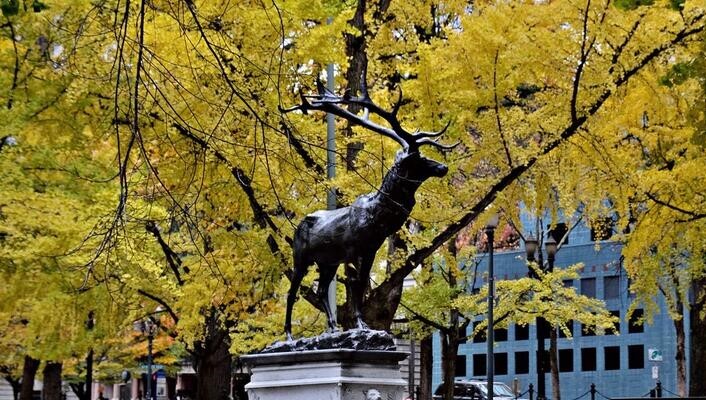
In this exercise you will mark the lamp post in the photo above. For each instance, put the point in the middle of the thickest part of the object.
(531, 245)
(149, 327)
(550, 246)
(490, 233)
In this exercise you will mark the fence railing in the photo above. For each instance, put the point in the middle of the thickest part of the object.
(594, 394)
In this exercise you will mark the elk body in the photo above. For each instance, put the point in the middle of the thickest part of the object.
(353, 234)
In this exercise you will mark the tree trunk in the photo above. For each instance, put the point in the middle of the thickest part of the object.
(78, 389)
(16, 385)
(426, 367)
(697, 384)
(357, 64)
(449, 350)
(554, 364)
(681, 352)
(90, 323)
(88, 385)
(51, 388)
(29, 371)
(171, 387)
(213, 362)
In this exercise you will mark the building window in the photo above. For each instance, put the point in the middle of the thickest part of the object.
(612, 357)
(587, 330)
(460, 365)
(521, 332)
(616, 326)
(588, 359)
(500, 363)
(588, 287)
(635, 324)
(462, 335)
(566, 360)
(568, 283)
(500, 334)
(478, 337)
(569, 326)
(479, 365)
(522, 362)
(611, 287)
(636, 356)
(558, 232)
(602, 228)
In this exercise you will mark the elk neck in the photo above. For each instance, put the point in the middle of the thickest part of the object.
(397, 189)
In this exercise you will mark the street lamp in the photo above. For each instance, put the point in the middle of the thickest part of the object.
(530, 247)
(551, 247)
(147, 327)
(490, 233)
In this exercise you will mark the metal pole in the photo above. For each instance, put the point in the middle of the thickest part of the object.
(412, 361)
(148, 390)
(491, 302)
(331, 169)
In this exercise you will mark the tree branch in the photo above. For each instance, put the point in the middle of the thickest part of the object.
(161, 302)
(173, 259)
(694, 215)
(497, 109)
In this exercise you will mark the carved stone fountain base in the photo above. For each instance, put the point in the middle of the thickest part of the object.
(331, 374)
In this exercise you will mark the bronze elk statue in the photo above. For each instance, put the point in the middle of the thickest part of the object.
(353, 234)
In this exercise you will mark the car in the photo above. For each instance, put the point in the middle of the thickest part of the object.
(476, 390)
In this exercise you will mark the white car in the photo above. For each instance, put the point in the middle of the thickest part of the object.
(476, 390)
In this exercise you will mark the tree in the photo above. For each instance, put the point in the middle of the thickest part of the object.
(55, 192)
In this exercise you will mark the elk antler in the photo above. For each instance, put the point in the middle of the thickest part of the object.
(328, 102)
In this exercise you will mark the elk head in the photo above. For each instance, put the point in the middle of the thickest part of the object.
(416, 167)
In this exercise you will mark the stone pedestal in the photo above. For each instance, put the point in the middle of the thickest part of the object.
(332, 374)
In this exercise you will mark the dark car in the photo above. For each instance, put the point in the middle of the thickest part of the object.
(476, 390)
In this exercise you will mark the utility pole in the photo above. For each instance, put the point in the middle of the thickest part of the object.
(331, 169)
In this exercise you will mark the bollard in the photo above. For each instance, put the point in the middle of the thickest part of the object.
(658, 389)
(531, 391)
(653, 393)
(593, 391)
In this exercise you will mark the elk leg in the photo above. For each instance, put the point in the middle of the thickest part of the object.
(326, 274)
(360, 284)
(299, 271)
